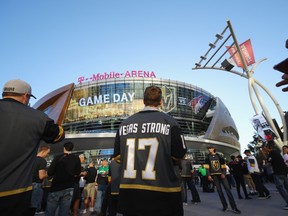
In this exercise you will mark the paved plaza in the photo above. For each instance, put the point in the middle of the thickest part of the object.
(211, 206)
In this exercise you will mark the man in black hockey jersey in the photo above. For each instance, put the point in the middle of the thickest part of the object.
(148, 145)
(22, 129)
(216, 171)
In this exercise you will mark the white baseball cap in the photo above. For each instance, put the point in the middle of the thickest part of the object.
(18, 86)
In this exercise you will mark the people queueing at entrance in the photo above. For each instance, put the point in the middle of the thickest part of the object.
(39, 174)
(65, 169)
(216, 171)
(247, 177)
(46, 185)
(252, 165)
(237, 168)
(196, 176)
(187, 171)
(22, 128)
(285, 154)
(114, 179)
(77, 193)
(102, 183)
(229, 176)
(110, 201)
(232, 183)
(280, 170)
(203, 178)
(82, 183)
(89, 188)
(149, 184)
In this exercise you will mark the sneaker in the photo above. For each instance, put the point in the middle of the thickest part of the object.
(84, 211)
(236, 211)
(91, 209)
(261, 197)
(225, 208)
(268, 196)
(185, 203)
(39, 212)
(285, 207)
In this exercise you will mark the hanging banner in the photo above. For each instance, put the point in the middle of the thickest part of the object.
(247, 52)
(262, 127)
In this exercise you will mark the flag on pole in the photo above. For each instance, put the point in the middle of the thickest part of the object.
(247, 52)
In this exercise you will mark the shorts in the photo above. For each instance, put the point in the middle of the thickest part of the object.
(89, 190)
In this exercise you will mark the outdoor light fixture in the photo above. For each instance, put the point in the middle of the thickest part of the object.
(227, 64)
(220, 37)
(212, 45)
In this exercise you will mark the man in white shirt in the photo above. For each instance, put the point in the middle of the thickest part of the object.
(255, 173)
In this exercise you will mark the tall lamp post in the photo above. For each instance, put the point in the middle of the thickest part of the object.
(253, 84)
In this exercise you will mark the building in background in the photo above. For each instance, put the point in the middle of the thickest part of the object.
(91, 112)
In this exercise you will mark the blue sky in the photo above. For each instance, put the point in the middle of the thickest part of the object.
(52, 43)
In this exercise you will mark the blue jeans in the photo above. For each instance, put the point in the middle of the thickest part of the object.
(281, 183)
(37, 194)
(59, 198)
(99, 197)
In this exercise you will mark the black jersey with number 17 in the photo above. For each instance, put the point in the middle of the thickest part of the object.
(148, 142)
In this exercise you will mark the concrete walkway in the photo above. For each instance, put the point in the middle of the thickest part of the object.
(211, 206)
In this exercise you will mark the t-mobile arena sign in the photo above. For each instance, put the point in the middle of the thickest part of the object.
(115, 75)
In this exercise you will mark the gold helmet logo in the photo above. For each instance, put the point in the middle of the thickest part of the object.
(168, 98)
(215, 165)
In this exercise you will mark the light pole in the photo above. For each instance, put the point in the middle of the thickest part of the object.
(253, 84)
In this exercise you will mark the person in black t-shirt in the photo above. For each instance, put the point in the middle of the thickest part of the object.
(279, 168)
(65, 170)
(89, 189)
(237, 168)
(39, 174)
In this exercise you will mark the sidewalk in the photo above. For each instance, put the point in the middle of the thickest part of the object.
(211, 205)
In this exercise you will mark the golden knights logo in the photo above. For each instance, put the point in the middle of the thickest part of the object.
(215, 165)
(168, 98)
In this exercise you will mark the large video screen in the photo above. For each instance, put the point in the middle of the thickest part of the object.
(119, 100)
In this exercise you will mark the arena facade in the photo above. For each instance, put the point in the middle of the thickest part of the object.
(91, 112)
